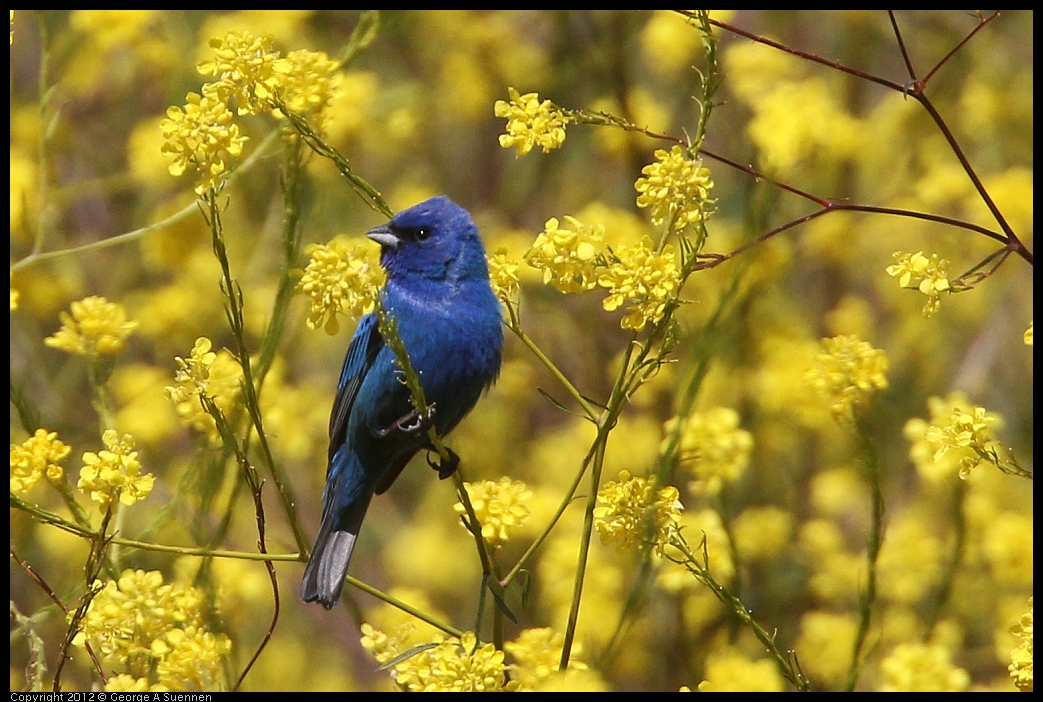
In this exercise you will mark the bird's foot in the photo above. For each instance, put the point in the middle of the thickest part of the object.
(445, 466)
(410, 423)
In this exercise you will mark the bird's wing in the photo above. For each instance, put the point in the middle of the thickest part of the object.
(365, 345)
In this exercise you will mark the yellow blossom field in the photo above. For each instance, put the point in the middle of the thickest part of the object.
(764, 416)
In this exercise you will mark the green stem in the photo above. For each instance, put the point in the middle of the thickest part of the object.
(876, 538)
(590, 410)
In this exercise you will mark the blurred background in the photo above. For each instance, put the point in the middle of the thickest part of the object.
(414, 115)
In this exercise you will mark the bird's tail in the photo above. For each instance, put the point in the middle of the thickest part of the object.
(325, 573)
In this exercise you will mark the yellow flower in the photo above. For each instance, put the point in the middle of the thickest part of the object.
(204, 373)
(248, 68)
(676, 188)
(567, 257)
(642, 278)
(311, 82)
(115, 473)
(931, 463)
(928, 275)
(1021, 657)
(339, 280)
(531, 123)
(713, 447)
(633, 509)
(452, 665)
(499, 506)
(848, 372)
(155, 632)
(968, 434)
(198, 135)
(37, 456)
(921, 667)
(14, 300)
(1027, 337)
(503, 276)
(190, 658)
(96, 327)
(537, 654)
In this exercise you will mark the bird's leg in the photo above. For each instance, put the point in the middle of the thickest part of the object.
(409, 423)
(447, 466)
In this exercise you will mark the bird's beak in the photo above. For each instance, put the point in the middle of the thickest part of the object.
(383, 236)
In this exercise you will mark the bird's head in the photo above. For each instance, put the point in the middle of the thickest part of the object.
(435, 239)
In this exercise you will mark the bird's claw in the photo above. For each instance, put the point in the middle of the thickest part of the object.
(446, 466)
(410, 423)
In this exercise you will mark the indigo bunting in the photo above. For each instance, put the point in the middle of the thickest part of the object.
(449, 321)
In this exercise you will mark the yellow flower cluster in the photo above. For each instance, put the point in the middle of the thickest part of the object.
(1021, 657)
(531, 123)
(204, 373)
(95, 327)
(928, 275)
(452, 665)
(966, 433)
(156, 630)
(537, 655)
(198, 135)
(114, 473)
(456, 665)
(568, 257)
(35, 457)
(499, 505)
(634, 509)
(503, 275)
(917, 667)
(246, 67)
(339, 280)
(642, 279)
(712, 447)
(312, 82)
(676, 188)
(848, 372)
(933, 466)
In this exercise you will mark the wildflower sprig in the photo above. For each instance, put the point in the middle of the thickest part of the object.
(642, 279)
(967, 433)
(217, 376)
(928, 275)
(500, 506)
(568, 254)
(114, 473)
(199, 135)
(95, 327)
(36, 457)
(635, 510)
(339, 280)
(156, 632)
(676, 188)
(848, 372)
(449, 664)
(531, 123)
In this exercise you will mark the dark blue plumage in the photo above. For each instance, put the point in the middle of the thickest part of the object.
(449, 320)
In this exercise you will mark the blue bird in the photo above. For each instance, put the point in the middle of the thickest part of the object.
(449, 320)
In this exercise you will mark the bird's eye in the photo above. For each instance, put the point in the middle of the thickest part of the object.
(422, 233)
